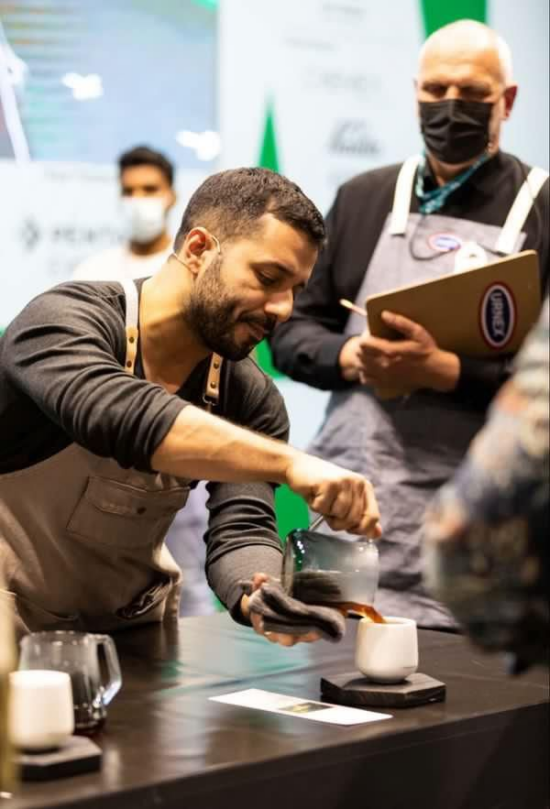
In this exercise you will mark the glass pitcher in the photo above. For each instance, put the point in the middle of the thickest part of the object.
(328, 570)
(78, 653)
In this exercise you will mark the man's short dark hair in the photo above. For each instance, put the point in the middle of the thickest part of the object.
(144, 156)
(231, 202)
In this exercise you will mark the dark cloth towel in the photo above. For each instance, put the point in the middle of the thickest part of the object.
(282, 613)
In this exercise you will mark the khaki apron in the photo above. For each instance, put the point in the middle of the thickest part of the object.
(409, 447)
(82, 539)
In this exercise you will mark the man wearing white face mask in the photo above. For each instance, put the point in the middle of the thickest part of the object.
(147, 195)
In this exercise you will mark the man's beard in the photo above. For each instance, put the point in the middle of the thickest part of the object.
(211, 314)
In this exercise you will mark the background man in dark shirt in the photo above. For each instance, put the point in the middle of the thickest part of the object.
(449, 211)
(103, 428)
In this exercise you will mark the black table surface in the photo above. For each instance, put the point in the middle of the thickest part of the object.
(167, 745)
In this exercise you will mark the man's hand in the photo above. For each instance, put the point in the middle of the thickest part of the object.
(411, 363)
(350, 359)
(258, 622)
(345, 498)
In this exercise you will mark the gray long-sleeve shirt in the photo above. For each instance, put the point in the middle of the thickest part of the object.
(62, 381)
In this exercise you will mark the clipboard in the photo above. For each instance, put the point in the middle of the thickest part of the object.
(484, 312)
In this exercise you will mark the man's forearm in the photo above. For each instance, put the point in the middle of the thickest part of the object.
(202, 446)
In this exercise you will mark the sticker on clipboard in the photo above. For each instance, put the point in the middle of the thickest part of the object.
(498, 315)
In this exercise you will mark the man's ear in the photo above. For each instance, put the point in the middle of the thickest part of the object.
(416, 102)
(510, 95)
(195, 245)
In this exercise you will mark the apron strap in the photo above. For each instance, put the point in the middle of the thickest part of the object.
(211, 395)
(402, 196)
(132, 333)
(519, 211)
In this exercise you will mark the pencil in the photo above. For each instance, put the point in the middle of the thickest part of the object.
(354, 308)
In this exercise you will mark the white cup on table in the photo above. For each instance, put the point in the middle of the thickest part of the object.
(41, 715)
(388, 652)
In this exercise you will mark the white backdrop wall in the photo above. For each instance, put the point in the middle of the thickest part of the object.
(53, 216)
(525, 28)
(337, 77)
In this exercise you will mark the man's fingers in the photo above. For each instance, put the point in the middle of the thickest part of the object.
(258, 579)
(344, 498)
(283, 639)
(257, 623)
(343, 504)
(363, 516)
(414, 331)
(324, 497)
(376, 347)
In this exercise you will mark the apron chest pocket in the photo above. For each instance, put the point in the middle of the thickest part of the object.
(117, 514)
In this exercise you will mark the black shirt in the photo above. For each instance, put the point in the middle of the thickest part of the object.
(62, 380)
(307, 346)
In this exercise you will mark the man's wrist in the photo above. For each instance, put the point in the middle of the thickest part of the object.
(444, 371)
(287, 457)
(348, 360)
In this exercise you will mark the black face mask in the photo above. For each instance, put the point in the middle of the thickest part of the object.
(455, 131)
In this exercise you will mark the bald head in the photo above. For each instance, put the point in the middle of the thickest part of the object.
(466, 41)
(461, 63)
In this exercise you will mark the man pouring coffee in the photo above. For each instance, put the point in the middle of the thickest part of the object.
(117, 397)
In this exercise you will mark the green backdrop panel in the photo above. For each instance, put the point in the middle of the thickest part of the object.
(263, 358)
(292, 511)
(437, 13)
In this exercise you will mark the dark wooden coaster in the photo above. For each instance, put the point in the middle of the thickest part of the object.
(78, 755)
(354, 689)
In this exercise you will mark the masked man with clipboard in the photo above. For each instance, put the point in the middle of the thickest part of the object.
(461, 203)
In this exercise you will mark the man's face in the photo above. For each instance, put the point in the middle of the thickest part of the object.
(144, 181)
(239, 297)
(469, 74)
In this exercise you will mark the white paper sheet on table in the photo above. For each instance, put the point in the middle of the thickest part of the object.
(261, 700)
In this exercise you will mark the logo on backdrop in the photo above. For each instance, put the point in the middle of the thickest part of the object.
(352, 137)
(68, 235)
(29, 234)
(360, 85)
(497, 315)
(444, 242)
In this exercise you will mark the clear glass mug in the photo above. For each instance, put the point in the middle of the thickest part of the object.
(78, 654)
(327, 570)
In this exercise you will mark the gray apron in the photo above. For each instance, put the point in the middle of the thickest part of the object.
(82, 539)
(408, 447)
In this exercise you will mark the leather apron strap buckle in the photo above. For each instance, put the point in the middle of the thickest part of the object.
(211, 395)
(131, 349)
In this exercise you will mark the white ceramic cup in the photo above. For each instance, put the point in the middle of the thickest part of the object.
(387, 653)
(41, 715)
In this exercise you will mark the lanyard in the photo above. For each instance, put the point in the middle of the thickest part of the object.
(431, 201)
